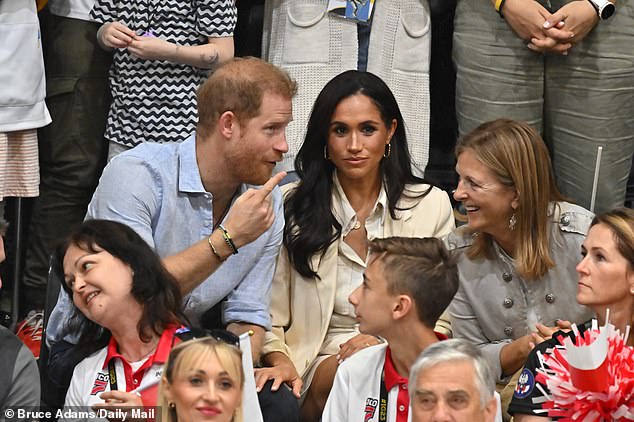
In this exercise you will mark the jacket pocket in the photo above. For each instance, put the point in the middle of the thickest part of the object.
(22, 70)
(307, 37)
(412, 47)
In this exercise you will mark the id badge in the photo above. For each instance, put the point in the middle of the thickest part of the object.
(356, 10)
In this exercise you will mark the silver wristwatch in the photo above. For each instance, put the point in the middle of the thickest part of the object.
(604, 8)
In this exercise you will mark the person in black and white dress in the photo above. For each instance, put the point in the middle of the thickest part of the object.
(163, 51)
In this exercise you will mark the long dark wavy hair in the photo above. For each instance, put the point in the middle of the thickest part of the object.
(152, 285)
(310, 224)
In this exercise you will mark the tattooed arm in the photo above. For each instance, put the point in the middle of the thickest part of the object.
(206, 56)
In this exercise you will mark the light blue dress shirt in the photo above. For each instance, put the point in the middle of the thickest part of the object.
(156, 190)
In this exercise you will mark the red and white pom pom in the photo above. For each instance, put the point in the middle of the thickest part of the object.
(591, 379)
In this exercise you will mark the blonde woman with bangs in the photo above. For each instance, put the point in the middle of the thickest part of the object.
(202, 380)
(519, 249)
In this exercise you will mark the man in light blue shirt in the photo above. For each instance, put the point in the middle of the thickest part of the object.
(191, 200)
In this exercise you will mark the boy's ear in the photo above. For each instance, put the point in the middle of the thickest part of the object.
(403, 305)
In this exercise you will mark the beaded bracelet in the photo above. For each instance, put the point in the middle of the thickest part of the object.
(228, 239)
(214, 250)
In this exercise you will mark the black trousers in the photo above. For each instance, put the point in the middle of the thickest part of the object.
(72, 148)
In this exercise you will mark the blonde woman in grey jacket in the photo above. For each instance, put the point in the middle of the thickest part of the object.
(518, 252)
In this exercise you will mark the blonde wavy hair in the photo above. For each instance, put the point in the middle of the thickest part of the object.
(189, 355)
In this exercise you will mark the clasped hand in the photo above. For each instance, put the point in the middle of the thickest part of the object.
(546, 32)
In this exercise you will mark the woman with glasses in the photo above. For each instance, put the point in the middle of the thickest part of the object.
(202, 380)
(126, 305)
(519, 248)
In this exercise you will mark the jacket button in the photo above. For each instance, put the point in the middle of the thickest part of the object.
(550, 298)
(508, 331)
(565, 220)
(507, 276)
(508, 302)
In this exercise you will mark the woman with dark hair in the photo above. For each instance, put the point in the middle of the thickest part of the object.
(355, 183)
(124, 302)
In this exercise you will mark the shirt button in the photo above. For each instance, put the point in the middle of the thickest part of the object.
(507, 276)
(565, 220)
(508, 331)
(508, 302)
(404, 386)
(550, 298)
(401, 408)
(135, 382)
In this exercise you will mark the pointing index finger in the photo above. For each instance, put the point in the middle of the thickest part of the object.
(268, 187)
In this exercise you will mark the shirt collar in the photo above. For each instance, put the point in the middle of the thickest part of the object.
(188, 171)
(343, 211)
(391, 377)
(160, 355)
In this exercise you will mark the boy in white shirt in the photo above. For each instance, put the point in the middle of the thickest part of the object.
(407, 285)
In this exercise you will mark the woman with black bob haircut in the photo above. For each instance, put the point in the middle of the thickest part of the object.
(355, 183)
(124, 302)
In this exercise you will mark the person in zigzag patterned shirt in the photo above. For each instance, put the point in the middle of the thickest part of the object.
(163, 51)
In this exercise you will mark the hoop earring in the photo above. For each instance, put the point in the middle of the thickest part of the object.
(326, 153)
(388, 150)
(512, 222)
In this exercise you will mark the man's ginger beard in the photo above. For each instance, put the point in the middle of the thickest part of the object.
(246, 164)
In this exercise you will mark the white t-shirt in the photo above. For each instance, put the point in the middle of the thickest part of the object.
(76, 9)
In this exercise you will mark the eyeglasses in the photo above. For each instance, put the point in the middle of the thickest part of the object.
(186, 333)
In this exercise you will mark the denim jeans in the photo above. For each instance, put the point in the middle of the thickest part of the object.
(579, 101)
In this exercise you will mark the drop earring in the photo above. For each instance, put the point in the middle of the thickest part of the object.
(512, 222)
(388, 150)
